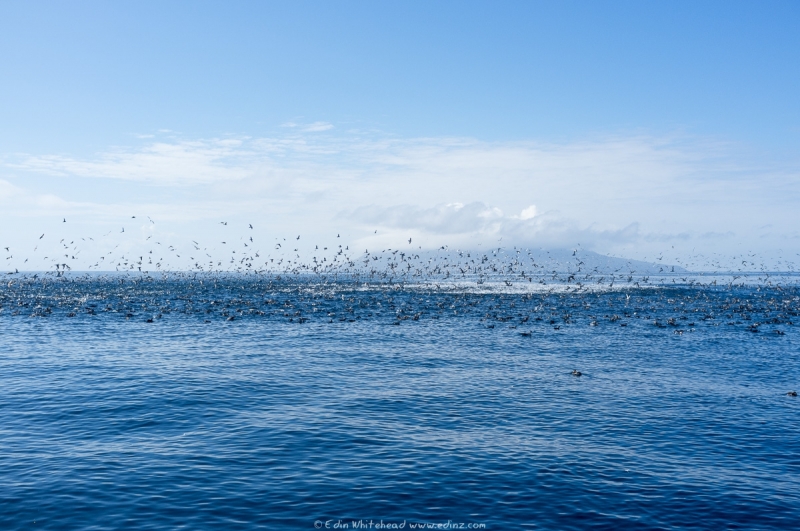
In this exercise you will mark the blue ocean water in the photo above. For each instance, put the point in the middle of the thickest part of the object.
(253, 403)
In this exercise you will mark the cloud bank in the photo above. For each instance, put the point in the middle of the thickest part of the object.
(621, 194)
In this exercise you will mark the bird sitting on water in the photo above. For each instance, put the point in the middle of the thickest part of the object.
(576, 372)
(792, 393)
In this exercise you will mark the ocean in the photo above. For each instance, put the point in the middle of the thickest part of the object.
(268, 402)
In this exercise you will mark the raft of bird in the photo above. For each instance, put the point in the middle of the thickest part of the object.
(510, 291)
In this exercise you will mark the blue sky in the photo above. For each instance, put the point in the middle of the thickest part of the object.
(631, 126)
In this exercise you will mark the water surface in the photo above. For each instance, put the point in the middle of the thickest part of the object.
(273, 404)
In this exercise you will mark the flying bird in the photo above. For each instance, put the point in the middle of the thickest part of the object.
(42, 236)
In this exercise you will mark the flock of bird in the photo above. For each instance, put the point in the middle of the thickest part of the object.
(508, 272)
(508, 290)
(242, 252)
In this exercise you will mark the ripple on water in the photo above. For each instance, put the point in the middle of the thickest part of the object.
(267, 422)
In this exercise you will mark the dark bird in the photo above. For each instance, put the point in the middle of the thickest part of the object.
(409, 240)
(251, 226)
(65, 220)
(42, 236)
(791, 393)
(576, 372)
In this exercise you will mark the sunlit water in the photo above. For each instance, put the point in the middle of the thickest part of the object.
(250, 404)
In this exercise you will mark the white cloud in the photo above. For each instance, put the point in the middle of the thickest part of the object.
(317, 127)
(528, 213)
(159, 162)
(8, 190)
(454, 218)
(480, 223)
(622, 194)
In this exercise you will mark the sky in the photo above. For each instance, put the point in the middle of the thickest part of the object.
(634, 129)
